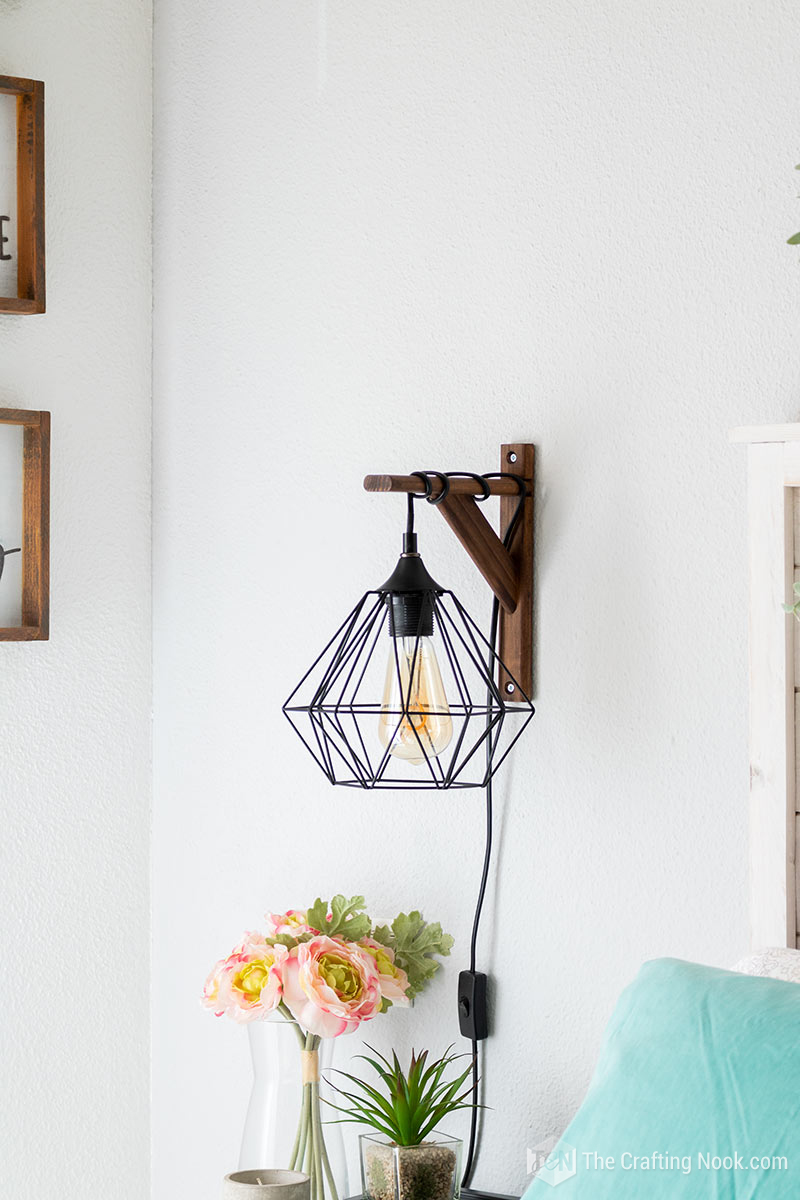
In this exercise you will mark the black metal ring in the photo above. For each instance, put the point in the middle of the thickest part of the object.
(426, 495)
(479, 479)
(443, 480)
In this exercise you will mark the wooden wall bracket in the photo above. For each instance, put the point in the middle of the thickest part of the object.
(509, 572)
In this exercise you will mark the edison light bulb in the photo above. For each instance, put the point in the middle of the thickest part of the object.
(416, 688)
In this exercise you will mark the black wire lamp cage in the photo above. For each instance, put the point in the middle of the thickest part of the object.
(409, 693)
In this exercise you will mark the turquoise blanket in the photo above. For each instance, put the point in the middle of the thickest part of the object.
(696, 1094)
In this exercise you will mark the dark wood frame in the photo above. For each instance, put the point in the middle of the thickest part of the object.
(35, 625)
(509, 573)
(30, 296)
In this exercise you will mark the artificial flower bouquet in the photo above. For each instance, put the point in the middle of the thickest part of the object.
(327, 970)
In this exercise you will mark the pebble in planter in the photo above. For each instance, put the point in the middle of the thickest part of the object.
(406, 1159)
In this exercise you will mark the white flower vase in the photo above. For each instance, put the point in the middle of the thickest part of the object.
(286, 1124)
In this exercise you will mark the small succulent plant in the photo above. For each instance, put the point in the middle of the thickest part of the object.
(414, 1102)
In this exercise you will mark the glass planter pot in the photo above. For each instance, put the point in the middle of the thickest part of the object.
(284, 1124)
(430, 1171)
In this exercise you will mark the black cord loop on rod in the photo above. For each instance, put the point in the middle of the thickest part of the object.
(481, 480)
(443, 477)
(427, 484)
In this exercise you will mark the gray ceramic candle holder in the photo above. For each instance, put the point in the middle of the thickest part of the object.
(266, 1185)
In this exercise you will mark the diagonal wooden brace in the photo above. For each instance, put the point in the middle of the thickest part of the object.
(483, 546)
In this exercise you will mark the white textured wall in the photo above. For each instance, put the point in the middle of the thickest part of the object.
(390, 236)
(75, 711)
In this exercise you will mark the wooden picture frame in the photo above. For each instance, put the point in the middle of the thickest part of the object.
(35, 548)
(29, 217)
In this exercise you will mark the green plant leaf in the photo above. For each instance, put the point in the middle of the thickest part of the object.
(358, 1120)
(415, 1077)
(794, 240)
(348, 919)
(287, 939)
(436, 1069)
(365, 1115)
(439, 1116)
(380, 1101)
(415, 943)
(384, 1070)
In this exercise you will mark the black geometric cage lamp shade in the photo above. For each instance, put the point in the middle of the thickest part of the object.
(405, 694)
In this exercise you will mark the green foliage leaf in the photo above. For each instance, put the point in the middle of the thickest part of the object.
(415, 943)
(794, 240)
(377, 1100)
(286, 939)
(348, 918)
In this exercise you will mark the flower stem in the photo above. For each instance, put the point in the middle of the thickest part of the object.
(316, 1129)
(296, 1159)
(317, 1118)
(309, 1153)
(300, 1138)
(287, 1016)
(308, 1149)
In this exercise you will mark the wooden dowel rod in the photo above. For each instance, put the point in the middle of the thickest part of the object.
(458, 487)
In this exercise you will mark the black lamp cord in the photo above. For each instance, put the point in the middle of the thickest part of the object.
(487, 855)
(410, 544)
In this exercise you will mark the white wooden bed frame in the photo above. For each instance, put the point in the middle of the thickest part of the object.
(773, 466)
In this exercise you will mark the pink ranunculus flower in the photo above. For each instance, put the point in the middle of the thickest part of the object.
(250, 984)
(393, 979)
(251, 942)
(330, 987)
(292, 922)
(211, 988)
